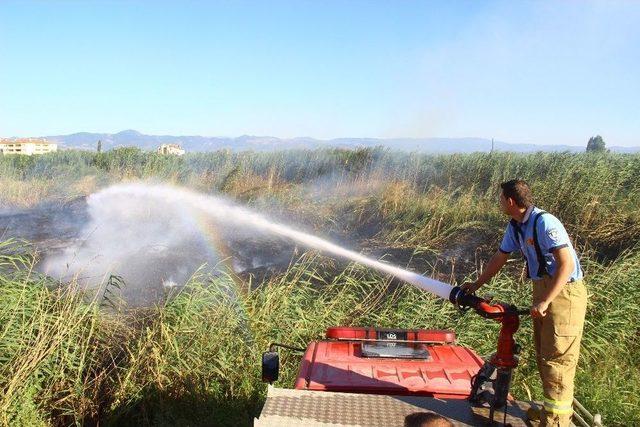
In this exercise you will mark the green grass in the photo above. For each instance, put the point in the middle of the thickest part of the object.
(196, 359)
(66, 359)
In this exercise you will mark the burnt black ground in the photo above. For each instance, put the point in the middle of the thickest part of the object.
(54, 226)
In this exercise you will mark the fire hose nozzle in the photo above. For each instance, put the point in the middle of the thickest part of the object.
(484, 307)
(461, 299)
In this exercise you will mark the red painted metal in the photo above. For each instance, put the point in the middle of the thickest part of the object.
(338, 365)
(505, 356)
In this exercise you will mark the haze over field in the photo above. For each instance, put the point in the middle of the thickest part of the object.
(88, 141)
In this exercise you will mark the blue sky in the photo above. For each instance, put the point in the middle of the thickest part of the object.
(539, 72)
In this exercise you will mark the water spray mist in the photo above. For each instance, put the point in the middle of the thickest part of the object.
(227, 213)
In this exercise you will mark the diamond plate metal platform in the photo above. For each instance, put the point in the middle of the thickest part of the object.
(297, 408)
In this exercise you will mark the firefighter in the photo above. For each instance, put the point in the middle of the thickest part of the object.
(559, 294)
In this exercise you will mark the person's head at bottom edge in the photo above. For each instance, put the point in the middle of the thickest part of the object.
(426, 419)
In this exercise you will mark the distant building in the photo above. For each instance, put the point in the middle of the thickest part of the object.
(174, 149)
(26, 146)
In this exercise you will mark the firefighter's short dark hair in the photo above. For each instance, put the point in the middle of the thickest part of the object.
(519, 191)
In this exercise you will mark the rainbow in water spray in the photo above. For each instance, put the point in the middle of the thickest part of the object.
(224, 211)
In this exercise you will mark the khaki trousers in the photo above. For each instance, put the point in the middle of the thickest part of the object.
(557, 341)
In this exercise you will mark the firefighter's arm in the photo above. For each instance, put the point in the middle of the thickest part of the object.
(565, 266)
(497, 261)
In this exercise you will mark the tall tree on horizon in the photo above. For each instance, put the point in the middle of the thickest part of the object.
(596, 144)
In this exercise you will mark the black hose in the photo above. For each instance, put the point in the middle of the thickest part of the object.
(289, 347)
(461, 299)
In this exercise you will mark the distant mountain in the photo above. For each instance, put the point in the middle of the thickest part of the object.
(88, 141)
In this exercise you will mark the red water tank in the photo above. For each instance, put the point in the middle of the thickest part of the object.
(415, 362)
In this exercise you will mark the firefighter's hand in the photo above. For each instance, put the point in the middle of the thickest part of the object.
(470, 287)
(539, 309)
